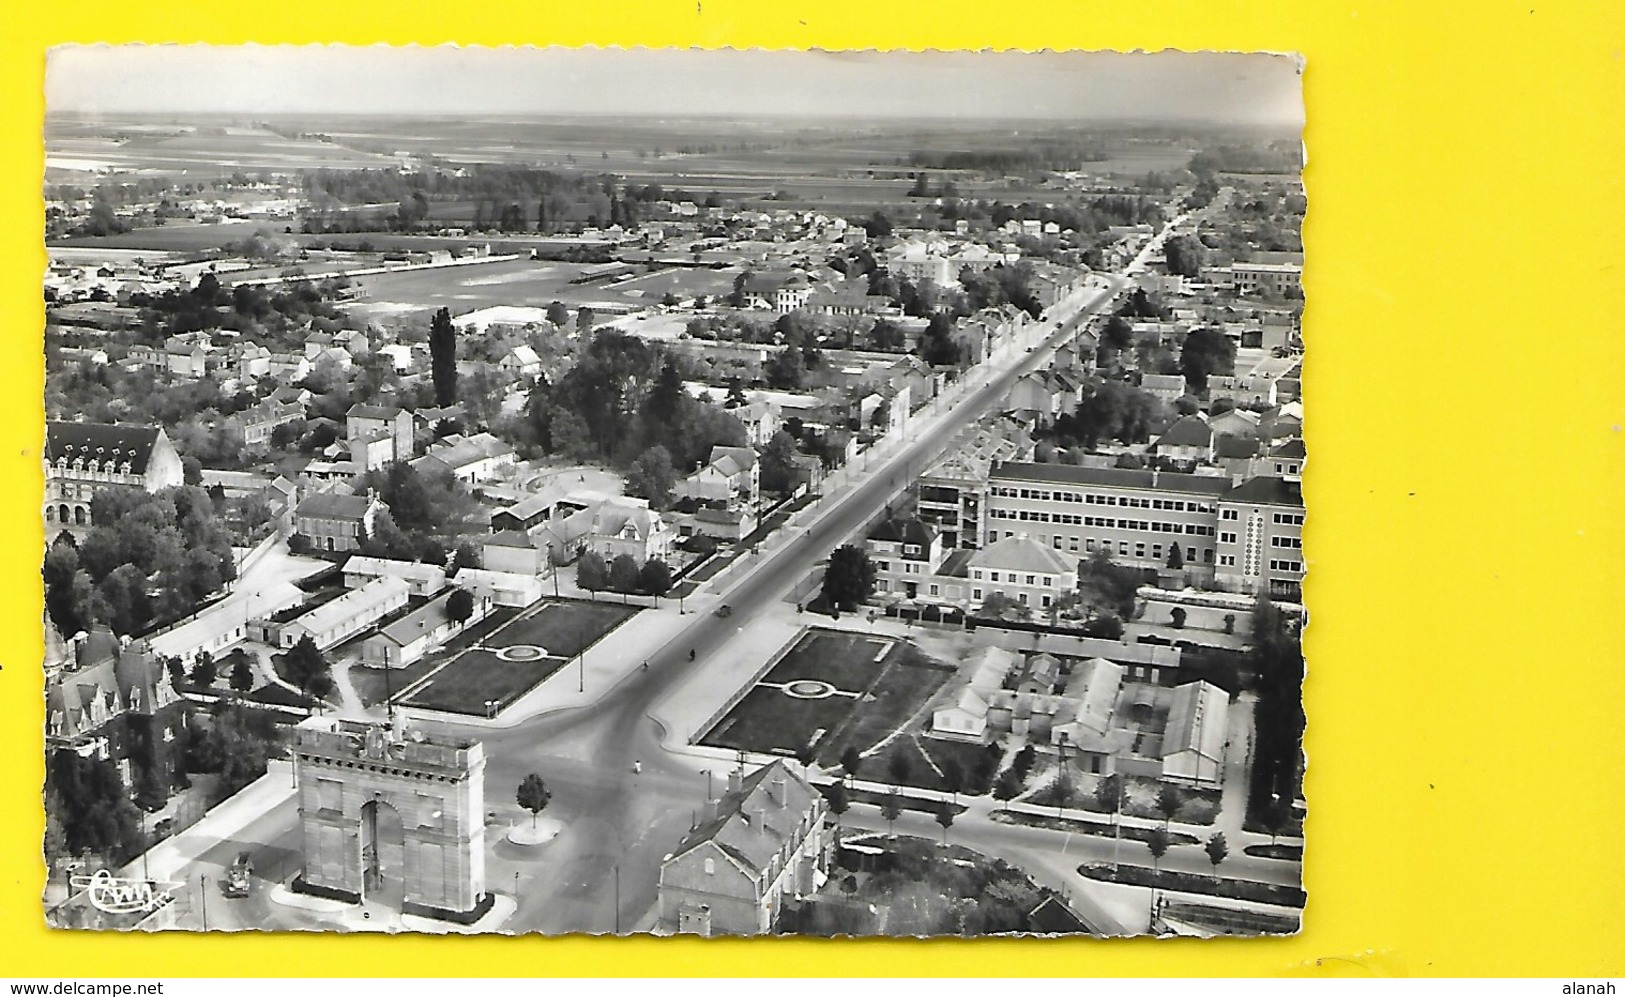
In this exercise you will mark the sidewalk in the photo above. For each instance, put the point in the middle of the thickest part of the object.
(166, 860)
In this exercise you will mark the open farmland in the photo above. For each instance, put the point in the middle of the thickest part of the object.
(194, 151)
(481, 285)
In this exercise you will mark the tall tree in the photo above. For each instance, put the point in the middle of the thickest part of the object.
(654, 578)
(623, 573)
(533, 795)
(778, 463)
(839, 802)
(1216, 849)
(443, 357)
(307, 668)
(1206, 352)
(890, 811)
(242, 675)
(592, 574)
(652, 477)
(460, 606)
(849, 579)
(851, 760)
(945, 817)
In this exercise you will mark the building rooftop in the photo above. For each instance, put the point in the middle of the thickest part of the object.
(334, 505)
(756, 821)
(1190, 431)
(1021, 553)
(1111, 477)
(365, 599)
(101, 441)
(903, 530)
(1266, 490)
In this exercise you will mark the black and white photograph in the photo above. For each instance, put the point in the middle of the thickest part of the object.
(611, 491)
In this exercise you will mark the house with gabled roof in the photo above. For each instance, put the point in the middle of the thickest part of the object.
(521, 361)
(1023, 569)
(1188, 441)
(765, 842)
(335, 520)
(964, 717)
(1198, 730)
(469, 459)
(729, 475)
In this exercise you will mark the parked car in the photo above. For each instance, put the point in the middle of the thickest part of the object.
(725, 610)
(238, 877)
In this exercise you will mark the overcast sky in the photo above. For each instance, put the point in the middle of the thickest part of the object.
(445, 80)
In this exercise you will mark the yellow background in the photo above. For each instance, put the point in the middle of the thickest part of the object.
(1466, 295)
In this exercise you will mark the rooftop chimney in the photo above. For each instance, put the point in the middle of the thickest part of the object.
(735, 781)
(779, 793)
(709, 812)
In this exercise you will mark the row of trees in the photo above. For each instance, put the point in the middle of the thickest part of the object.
(623, 574)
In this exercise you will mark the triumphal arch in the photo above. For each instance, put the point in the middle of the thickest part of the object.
(394, 816)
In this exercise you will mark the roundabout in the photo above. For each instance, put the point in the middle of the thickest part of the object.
(809, 689)
(529, 834)
(520, 652)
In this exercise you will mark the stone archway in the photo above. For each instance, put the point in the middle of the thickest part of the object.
(383, 854)
(393, 817)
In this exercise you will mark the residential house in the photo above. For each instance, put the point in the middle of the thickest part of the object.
(84, 458)
(521, 361)
(905, 552)
(1279, 279)
(782, 293)
(1283, 460)
(260, 421)
(1167, 387)
(187, 354)
(335, 521)
(1235, 422)
(377, 435)
(730, 475)
(289, 368)
(469, 459)
(609, 525)
(916, 375)
(765, 841)
(1188, 441)
(1020, 567)
(253, 362)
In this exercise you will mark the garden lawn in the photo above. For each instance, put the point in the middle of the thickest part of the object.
(466, 684)
(371, 685)
(565, 628)
(906, 682)
(768, 720)
(844, 660)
